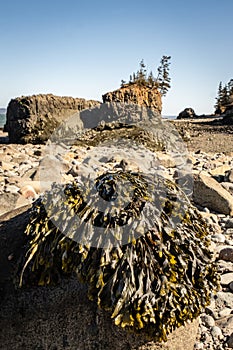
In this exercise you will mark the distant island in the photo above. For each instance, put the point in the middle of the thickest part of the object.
(2, 110)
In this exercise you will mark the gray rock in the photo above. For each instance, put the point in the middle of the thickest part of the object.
(224, 299)
(226, 324)
(229, 231)
(207, 192)
(229, 223)
(231, 286)
(226, 254)
(208, 321)
(230, 341)
(216, 332)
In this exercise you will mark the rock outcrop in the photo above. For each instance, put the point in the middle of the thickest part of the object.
(135, 94)
(187, 113)
(32, 119)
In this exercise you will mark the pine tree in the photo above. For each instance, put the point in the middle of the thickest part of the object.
(162, 82)
(163, 78)
(123, 82)
(218, 98)
(142, 73)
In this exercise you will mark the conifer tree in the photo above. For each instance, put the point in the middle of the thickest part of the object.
(163, 78)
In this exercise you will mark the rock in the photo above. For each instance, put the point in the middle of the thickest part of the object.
(227, 278)
(231, 286)
(135, 94)
(187, 113)
(49, 317)
(230, 341)
(220, 170)
(225, 312)
(218, 238)
(208, 321)
(32, 119)
(207, 192)
(6, 165)
(11, 188)
(228, 186)
(226, 324)
(216, 332)
(226, 254)
(28, 192)
(229, 176)
(229, 223)
(229, 231)
(7, 202)
(224, 299)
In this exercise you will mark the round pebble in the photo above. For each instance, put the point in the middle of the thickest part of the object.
(218, 238)
(216, 332)
(208, 321)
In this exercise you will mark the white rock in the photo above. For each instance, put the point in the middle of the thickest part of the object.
(225, 312)
(226, 279)
(11, 189)
(218, 238)
(208, 321)
(216, 332)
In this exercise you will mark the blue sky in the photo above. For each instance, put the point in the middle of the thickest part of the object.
(84, 49)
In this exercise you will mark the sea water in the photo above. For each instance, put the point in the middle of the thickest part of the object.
(2, 120)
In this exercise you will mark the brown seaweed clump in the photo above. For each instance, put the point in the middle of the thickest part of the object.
(147, 262)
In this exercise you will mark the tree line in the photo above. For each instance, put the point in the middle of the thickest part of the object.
(142, 78)
(224, 96)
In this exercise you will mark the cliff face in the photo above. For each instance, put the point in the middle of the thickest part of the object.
(140, 95)
(32, 119)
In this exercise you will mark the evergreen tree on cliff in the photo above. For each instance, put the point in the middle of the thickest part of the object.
(141, 78)
(163, 78)
(224, 96)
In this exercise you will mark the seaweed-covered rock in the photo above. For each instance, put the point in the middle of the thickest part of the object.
(146, 262)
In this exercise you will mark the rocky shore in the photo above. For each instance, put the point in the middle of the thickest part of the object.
(210, 146)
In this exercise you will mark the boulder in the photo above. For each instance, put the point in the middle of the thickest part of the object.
(207, 192)
(32, 119)
(135, 94)
(61, 317)
(187, 113)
